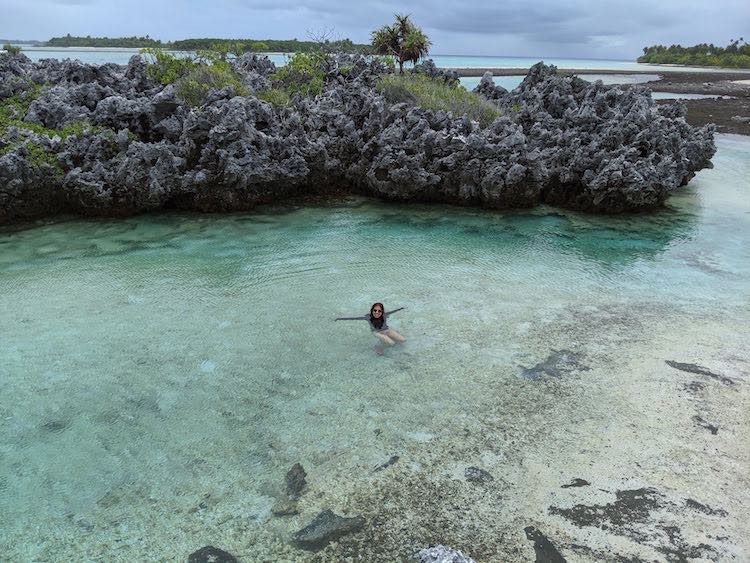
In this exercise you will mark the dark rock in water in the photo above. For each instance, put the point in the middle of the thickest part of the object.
(441, 554)
(285, 507)
(576, 483)
(210, 554)
(695, 505)
(388, 463)
(477, 476)
(694, 386)
(545, 551)
(714, 429)
(295, 481)
(638, 514)
(558, 364)
(55, 426)
(325, 528)
(700, 370)
(631, 506)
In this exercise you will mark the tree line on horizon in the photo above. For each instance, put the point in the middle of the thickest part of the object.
(195, 44)
(734, 55)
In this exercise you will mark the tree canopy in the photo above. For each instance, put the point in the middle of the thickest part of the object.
(736, 54)
(402, 40)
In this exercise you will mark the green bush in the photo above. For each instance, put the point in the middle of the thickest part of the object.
(12, 49)
(194, 86)
(165, 67)
(193, 78)
(303, 74)
(277, 98)
(435, 95)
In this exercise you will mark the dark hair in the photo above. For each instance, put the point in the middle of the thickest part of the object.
(377, 323)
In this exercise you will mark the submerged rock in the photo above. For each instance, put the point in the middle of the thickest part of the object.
(325, 528)
(544, 549)
(210, 554)
(477, 476)
(560, 140)
(295, 481)
(285, 507)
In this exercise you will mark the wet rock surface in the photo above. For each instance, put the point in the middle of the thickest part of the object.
(645, 516)
(558, 364)
(295, 481)
(544, 549)
(560, 140)
(325, 528)
(700, 370)
(576, 483)
(393, 459)
(210, 554)
(478, 476)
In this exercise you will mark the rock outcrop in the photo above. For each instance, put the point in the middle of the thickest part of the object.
(109, 140)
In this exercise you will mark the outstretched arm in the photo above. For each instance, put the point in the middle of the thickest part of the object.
(352, 318)
(391, 312)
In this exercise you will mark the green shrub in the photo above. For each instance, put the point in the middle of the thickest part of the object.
(193, 78)
(194, 86)
(165, 67)
(303, 74)
(277, 98)
(12, 49)
(435, 95)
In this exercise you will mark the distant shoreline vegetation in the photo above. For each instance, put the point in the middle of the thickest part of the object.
(272, 45)
(735, 55)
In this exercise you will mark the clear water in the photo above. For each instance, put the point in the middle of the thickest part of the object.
(159, 375)
(122, 55)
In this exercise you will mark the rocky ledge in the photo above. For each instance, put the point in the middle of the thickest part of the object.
(108, 140)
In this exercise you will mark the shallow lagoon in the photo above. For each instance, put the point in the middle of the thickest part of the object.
(159, 375)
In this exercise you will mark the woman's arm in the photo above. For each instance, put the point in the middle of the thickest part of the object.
(353, 318)
(391, 312)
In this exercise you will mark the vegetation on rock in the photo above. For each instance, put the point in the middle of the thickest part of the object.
(193, 77)
(303, 74)
(402, 40)
(12, 49)
(436, 95)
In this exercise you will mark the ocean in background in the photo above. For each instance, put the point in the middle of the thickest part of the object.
(122, 55)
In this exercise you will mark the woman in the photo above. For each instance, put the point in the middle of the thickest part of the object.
(378, 324)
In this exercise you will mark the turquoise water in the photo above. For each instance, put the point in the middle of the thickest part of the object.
(159, 375)
(122, 55)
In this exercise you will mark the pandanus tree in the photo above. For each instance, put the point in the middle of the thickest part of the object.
(402, 40)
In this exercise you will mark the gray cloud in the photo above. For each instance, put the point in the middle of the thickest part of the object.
(567, 28)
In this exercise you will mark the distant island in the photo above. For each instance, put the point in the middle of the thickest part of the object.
(735, 55)
(244, 45)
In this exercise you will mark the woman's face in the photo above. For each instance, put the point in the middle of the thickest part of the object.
(377, 311)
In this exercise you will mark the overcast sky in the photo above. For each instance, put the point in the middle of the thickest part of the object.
(535, 28)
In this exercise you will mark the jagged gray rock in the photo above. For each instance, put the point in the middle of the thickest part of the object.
(488, 89)
(560, 141)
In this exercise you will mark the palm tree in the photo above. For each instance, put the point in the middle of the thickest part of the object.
(402, 40)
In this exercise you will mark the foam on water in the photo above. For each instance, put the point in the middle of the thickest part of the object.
(160, 374)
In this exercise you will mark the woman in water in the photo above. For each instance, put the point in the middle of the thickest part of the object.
(378, 324)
